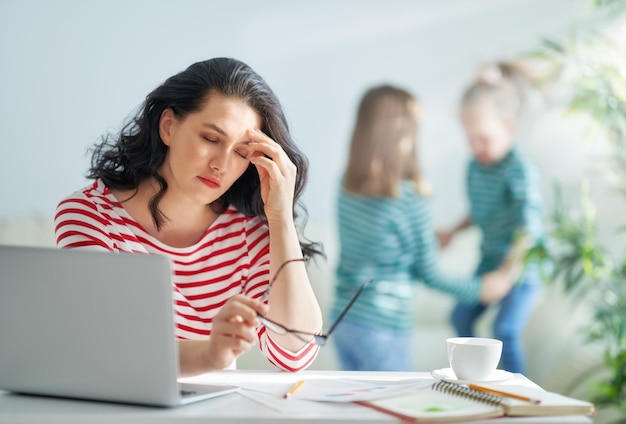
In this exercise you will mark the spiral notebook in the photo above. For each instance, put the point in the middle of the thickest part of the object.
(450, 402)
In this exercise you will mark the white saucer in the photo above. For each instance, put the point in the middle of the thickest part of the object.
(447, 374)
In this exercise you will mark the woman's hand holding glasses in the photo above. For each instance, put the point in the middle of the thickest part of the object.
(234, 330)
(235, 325)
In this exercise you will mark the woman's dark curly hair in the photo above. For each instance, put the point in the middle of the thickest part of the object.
(124, 160)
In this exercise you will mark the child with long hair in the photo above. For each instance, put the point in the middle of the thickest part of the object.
(386, 233)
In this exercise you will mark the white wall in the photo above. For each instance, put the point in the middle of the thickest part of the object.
(73, 70)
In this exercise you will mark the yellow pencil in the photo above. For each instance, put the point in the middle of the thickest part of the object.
(505, 394)
(293, 389)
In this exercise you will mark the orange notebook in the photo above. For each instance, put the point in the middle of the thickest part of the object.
(450, 402)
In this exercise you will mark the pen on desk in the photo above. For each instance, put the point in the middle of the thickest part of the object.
(505, 394)
(293, 389)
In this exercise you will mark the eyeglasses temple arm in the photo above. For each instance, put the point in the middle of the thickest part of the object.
(280, 268)
(348, 306)
(319, 339)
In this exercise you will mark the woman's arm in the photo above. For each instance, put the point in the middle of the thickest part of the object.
(291, 300)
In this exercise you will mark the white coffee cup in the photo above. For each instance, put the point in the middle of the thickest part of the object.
(473, 358)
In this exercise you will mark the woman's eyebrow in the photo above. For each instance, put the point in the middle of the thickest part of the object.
(215, 128)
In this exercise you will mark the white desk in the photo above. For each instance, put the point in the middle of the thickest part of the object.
(233, 408)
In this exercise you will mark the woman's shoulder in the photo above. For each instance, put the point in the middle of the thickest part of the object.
(89, 196)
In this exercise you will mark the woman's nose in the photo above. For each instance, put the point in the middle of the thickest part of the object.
(219, 161)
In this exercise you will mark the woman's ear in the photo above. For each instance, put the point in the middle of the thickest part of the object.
(165, 125)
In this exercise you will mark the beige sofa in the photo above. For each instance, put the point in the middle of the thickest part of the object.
(559, 359)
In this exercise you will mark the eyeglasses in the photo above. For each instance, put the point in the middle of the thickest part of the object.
(280, 268)
(315, 339)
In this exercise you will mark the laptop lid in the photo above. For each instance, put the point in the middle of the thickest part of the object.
(91, 325)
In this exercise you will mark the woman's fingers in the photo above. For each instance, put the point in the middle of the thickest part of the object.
(277, 175)
(263, 143)
(239, 330)
(244, 306)
(223, 349)
(236, 345)
(269, 153)
(238, 316)
(234, 329)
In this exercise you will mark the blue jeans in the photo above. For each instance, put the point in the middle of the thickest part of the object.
(364, 348)
(515, 310)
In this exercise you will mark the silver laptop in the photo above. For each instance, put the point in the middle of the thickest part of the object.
(90, 325)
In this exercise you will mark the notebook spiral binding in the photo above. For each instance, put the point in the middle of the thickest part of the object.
(466, 392)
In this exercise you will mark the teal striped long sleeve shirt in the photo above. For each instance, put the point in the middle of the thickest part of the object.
(505, 198)
(393, 241)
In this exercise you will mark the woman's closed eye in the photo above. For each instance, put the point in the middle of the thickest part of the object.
(242, 153)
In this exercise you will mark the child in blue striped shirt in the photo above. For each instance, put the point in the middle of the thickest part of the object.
(503, 188)
(386, 233)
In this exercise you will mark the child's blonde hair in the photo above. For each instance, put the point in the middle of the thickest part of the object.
(383, 149)
(504, 84)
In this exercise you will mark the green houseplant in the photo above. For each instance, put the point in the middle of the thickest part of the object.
(596, 69)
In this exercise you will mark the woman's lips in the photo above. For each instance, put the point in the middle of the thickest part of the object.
(211, 181)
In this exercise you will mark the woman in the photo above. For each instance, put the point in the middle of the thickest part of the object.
(207, 174)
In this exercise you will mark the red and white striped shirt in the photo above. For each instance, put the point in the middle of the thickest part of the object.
(232, 257)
